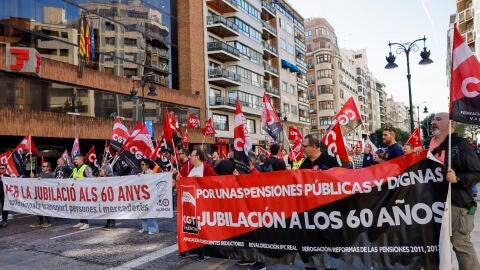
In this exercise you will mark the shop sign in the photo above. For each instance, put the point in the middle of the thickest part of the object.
(221, 140)
(24, 60)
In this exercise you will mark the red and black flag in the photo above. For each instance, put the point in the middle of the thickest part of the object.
(270, 121)
(241, 140)
(464, 81)
(26, 148)
(119, 134)
(136, 148)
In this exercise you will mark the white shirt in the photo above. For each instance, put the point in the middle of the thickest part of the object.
(196, 171)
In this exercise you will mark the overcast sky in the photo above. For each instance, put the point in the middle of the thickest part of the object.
(371, 24)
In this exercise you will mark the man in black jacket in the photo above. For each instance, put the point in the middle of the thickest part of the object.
(274, 161)
(464, 173)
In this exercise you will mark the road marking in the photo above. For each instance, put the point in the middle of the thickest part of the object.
(215, 266)
(147, 258)
(68, 234)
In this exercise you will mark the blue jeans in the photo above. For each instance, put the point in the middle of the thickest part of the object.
(150, 225)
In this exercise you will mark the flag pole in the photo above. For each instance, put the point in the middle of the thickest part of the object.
(288, 141)
(175, 154)
(30, 151)
(203, 140)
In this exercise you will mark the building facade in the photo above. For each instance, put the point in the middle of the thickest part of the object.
(136, 48)
(254, 47)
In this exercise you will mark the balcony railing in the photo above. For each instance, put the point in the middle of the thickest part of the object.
(269, 27)
(269, 68)
(269, 47)
(300, 43)
(218, 45)
(223, 73)
(269, 7)
(302, 81)
(220, 19)
(228, 101)
(272, 90)
(303, 99)
(304, 119)
(301, 62)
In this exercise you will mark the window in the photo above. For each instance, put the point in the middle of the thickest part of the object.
(326, 120)
(290, 49)
(294, 110)
(251, 126)
(215, 97)
(324, 58)
(325, 105)
(247, 30)
(220, 121)
(325, 89)
(293, 89)
(247, 52)
(342, 94)
(284, 86)
(283, 44)
(281, 23)
(286, 107)
(319, 31)
(324, 73)
(308, 33)
(289, 28)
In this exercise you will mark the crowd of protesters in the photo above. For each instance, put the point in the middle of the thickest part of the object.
(197, 163)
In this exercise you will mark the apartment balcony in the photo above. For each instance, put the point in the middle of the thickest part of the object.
(270, 71)
(222, 26)
(223, 6)
(222, 51)
(300, 44)
(302, 63)
(326, 97)
(223, 77)
(228, 104)
(269, 51)
(268, 11)
(268, 31)
(302, 82)
(301, 88)
(469, 36)
(299, 25)
(465, 15)
(303, 100)
(312, 111)
(314, 127)
(272, 90)
(304, 119)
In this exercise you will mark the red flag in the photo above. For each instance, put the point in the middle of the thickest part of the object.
(297, 151)
(185, 139)
(465, 78)
(6, 158)
(270, 121)
(294, 134)
(91, 156)
(137, 148)
(76, 147)
(193, 121)
(108, 152)
(134, 133)
(27, 146)
(42, 161)
(119, 134)
(241, 139)
(335, 144)
(208, 129)
(348, 117)
(414, 139)
(66, 157)
(168, 131)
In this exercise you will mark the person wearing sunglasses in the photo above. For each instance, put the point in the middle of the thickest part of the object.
(3, 172)
(314, 158)
(46, 172)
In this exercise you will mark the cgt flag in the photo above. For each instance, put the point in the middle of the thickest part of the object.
(6, 158)
(24, 148)
(208, 129)
(193, 121)
(333, 139)
(168, 129)
(294, 134)
(348, 117)
(119, 135)
(414, 139)
(465, 77)
(241, 140)
(91, 156)
(76, 147)
(137, 148)
(270, 121)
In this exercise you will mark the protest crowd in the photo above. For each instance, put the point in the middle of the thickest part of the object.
(311, 152)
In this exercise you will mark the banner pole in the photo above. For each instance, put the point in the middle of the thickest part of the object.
(449, 164)
(175, 154)
(30, 151)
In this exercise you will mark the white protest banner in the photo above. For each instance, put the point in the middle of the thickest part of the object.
(120, 197)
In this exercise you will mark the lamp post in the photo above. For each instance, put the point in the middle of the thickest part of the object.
(425, 110)
(151, 91)
(406, 48)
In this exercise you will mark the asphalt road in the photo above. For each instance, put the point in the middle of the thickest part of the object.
(64, 247)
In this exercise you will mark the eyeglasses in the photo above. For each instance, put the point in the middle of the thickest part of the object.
(143, 164)
(180, 153)
(44, 166)
(2, 168)
(305, 146)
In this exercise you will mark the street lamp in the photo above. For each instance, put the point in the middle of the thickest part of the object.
(406, 48)
(425, 110)
(151, 91)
